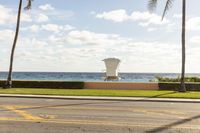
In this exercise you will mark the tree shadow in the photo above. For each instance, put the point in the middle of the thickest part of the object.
(163, 94)
(168, 126)
(149, 99)
(60, 105)
(88, 103)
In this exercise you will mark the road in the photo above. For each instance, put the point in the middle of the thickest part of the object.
(29, 115)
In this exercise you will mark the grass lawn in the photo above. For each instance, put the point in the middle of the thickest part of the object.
(113, 93)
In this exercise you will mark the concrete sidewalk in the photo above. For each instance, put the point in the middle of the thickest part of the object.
(145, 99)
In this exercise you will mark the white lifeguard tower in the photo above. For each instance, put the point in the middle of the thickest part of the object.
(112, 65)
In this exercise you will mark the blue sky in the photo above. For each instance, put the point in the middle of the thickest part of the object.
(70, 36)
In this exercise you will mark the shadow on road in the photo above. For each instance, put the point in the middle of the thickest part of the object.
(168, 126)
(148, 99)
(60, 105)
(90, 103)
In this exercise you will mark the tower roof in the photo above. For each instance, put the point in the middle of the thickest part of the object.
(111, 59)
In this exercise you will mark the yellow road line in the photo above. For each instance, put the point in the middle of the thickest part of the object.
(103, 123)
(107, 109)
(179, 114)
(23, 113)
(10, 119)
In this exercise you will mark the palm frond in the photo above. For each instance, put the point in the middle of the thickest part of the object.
(168, 5)
(152, 4)
(29, 4)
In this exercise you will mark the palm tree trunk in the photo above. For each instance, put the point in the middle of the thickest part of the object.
(9, 78)
(182, 87)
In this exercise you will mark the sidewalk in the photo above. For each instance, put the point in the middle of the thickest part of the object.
(143, 99)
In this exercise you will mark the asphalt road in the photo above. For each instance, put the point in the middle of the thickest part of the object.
(28, 115)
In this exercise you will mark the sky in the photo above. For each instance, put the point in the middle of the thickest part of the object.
(76, 35)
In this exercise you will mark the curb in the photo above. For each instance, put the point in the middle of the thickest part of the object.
(139, 99)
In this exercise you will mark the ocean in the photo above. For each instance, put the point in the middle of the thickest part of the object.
(87, 76)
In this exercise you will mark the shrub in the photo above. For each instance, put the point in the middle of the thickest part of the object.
(46, 84)
(176, 86)
(187, 79)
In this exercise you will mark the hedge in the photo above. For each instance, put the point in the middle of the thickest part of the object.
(46, 84)
(178, 79)
(176, 86)
(80, 85)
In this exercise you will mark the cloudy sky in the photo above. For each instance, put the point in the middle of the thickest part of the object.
(75, 35)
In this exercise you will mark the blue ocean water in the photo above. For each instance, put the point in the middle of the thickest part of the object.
(87, 76)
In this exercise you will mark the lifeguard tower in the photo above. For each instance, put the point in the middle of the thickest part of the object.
(112, 65)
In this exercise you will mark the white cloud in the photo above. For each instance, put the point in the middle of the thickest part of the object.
(193, 23)
(31, 43)
(116, 15)
(177, 16)
(6, 15)
(92, 38)
(56, 39)
(56, 28)
(146, 18)
(112, 45)
(195, 39)
(68, 27)
(9, 16)
(46, 7)
(149, 54)
(92, 12)
(52, 27)
(42, 18)
(26, 17)
(48, 27)
(34, 28)
(143, 18)
(6, 35)
(152, 29)
(116, 45)
(66, 44)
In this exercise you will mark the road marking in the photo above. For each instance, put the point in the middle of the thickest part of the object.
(23, 113)
(45, 116)
(10, 119)
(102, 123)
(173, 112)
(177, 114)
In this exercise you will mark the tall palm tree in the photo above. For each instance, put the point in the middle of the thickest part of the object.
(9, 78)
(152, 5)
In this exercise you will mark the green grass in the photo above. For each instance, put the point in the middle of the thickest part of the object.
(113, 93)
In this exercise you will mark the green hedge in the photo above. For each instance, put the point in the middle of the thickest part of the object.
(46, 84)
(176, 86)
(178, 79)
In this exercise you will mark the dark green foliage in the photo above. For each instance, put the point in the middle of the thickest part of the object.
(187, 79)
(46, 84)
(192, 83)
(176, 86)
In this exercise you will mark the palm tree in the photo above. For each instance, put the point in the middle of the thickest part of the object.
(9, 78)
(152, 5)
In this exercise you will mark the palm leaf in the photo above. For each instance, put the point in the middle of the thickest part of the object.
(168, 5)
(152, 4)
(29, 4)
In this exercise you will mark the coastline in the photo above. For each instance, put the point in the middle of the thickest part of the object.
(88, 76)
